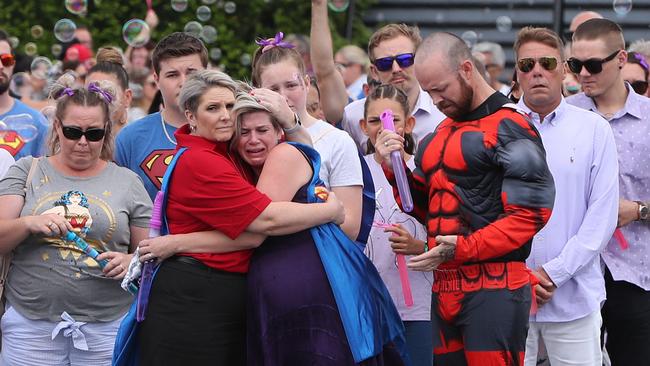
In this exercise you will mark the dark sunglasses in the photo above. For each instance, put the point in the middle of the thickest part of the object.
(386, 63)
(7, 59)
(639, 86)
(75, 133)
(527, 64)
(593, 65)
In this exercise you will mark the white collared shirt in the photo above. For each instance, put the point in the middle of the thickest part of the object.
(581, 154)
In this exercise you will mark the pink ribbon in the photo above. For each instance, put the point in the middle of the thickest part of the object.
(620, 238)
(402, 269)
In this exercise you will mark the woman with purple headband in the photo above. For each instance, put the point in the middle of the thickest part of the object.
(62, 308)
(635, 72)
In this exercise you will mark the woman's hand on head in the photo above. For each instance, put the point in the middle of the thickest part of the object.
(48, 225)
(277, 104)
(118, 264)
(387, 142)
(336, 206)
(158, 248)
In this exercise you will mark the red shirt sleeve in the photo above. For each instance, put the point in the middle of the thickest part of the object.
(208, 193)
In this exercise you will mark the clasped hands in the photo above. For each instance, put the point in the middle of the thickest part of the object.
(444, 251)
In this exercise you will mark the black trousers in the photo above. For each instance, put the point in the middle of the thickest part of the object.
(626, 317)
(196, 316)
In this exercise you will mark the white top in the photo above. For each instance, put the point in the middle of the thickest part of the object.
(340, 164)
(581, 154)
(382, 256)
(427, 118)
(355, 90)
(6, 160)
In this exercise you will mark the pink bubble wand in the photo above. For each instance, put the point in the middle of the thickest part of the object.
(620, 238)
(147, 268)
(403, 272)
(398, 165)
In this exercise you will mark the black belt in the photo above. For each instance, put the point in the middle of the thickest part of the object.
(197, 264)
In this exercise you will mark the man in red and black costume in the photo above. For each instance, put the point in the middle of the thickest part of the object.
(483, 189)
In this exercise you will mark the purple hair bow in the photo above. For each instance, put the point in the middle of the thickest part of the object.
(67, 91)
(108, 98)
(269, 43)
(639, 57)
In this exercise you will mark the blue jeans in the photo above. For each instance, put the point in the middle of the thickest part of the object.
(419, 341)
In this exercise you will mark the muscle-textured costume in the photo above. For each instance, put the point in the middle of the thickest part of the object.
(484, 178)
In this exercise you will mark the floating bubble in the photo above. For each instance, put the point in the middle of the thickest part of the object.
(77, 7)
(470, 38)
(194, 28)
(37, 31)
(203, 13)
(179, 5)
(209, 34)
(31, 49)
(229, 7)
(23, 124)
(136, 33)
(504, 23)
(48, 113)
(40, 67)
(338, 6)
(20, 84)
(380, 17)
(56, 50)
(209, 2)
(440, 17)
(245, 59)
(64, 30)
(215, 53)
(622, 7)
(14, 42)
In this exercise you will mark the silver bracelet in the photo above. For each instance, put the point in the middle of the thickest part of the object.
(295, 128)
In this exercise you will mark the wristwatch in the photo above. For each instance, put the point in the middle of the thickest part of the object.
(643, 210)
(295, 127)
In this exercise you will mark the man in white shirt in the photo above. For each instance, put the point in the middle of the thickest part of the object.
(581, 154)
(392, 52)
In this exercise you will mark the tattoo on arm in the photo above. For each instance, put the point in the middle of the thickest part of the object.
(447, 252)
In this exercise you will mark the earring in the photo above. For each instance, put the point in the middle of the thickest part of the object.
(192, 128)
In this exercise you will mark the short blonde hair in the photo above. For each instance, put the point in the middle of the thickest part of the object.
(541, 35)
(245, 104)
(391, 31)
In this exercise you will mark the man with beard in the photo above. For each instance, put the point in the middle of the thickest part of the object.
(483, 189)
(25, 135)
(392, 52)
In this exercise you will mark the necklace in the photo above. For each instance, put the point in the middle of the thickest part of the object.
(164, 128)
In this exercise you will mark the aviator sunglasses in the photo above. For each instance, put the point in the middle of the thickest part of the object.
(526, 64)
(75, 133)
(7, 59)
(639, 86)
(593, 65)
(404, 60)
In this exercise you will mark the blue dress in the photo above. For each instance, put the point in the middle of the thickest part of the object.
(315, 299)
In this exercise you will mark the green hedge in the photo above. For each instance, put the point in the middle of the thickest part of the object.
(236, 32)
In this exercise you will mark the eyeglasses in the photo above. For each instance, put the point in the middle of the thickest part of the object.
(7, 59)
(75, 133)
(527, 64)
(639, 86)
(386, 63)
(593, 65)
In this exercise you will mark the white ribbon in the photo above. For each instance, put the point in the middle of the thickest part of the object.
(70, 328)
(133, 272)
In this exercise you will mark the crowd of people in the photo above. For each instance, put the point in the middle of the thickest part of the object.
(500, 221)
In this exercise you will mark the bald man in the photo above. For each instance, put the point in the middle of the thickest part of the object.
(483, 189)
(582, 17)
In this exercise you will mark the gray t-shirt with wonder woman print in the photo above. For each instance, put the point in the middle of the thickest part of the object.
(48, 275)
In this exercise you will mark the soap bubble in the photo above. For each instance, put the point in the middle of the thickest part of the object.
(338, 6)
(203, 13)
(136, 33)
(209, 2)
(23, 124)
(31, 49)
(470, 38)
(504, 23)
(209, 34)
(40, 67)
(64, 30)
(56, 50)
(215, 53)
(194, 28)
(77, 7)
(245, 59)
(37, 31)
(229, 7)
(20, 85)
(14, 42)
(179, 5)
(622, 7)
